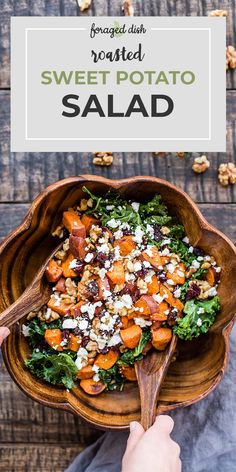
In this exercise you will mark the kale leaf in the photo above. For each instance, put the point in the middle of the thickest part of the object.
(145, 338)
(112, 378)
(194, 322)
(57, 369)
(37, 329)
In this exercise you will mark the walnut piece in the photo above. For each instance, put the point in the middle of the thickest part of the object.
(230, 57)
(84, 4)
(201, 164)
(128, 8)
(103, 158)
(218, 13)
(227, 174)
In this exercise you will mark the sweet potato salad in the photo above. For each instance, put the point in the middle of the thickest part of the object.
(126, 278)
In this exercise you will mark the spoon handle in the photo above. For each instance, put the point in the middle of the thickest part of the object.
(31, 299)
(150, 382)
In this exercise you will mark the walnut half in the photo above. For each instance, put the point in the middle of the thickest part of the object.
(227, 174)
(103, 158)
(201, 164)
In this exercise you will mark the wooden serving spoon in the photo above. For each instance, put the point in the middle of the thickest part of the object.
(151, 371)
(34, 296)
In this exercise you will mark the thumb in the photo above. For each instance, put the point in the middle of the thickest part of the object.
(136, 432)
(3, 334)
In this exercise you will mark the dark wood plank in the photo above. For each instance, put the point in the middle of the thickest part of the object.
(220, 215)
(36, 458)
(9, 8)
(24, 175)
(24, 421)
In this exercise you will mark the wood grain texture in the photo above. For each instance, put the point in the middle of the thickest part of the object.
(199, 365)
(24, 175)
(222, 216)
(151, 372)
(36, 458)
(9, 8)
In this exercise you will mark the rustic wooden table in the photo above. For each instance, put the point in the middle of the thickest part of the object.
(35, 438)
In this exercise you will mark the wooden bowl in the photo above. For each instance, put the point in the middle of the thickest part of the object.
(200, 364)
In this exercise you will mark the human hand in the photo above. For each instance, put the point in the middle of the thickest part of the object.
(3, 334)
(153, 450)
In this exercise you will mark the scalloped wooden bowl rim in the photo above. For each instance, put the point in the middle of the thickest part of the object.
(62, 401)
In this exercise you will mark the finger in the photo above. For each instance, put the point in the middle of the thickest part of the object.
(164, 424)
(136, 432)
(4, 332)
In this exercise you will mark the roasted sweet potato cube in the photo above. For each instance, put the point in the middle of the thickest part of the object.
(73, 224)
(67, 271)
(152, 256)
(126, 245)
(89, 221)
(62, 308)
(117, 274)
(53, 271)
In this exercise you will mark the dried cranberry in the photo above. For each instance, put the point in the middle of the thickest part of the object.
(158, 236)
(162, 277)
(217, 277)
(142, 272)
(42, 346)
(105, 350)
(198, 252)
(79, 267)
(77, 331)
(93, 288)
(126, 232)
(193, 292)
(172, 315)
(101, 257)
(132, 290)
(65, 334)
(85, 341)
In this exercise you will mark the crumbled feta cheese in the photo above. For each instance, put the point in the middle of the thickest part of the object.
(142, 323)
(102, 273)
(118, 305)
(148, 277)
(69, 323)
(212, 292)
(190, 250)
(158, 298)
(199, 322)
(150, 230)
(96, 378)
(170, 282)
(118, 234)
(88, 308)
(83, 324)
(165, 252)
(73, 264)
(49, 311)
(25, 330)
(137, 266)
(115, 339)
(107, 264)
(177, 293)
(113, 223)
(110, 207)
(165, 242)
(218, 269)
(138, 235)
(185, 240)
(170, 267)
(135, 206)
(103, 248)
(146, 264)
(180, 273)
(195, 264)
(95, 368)
(82, 358)
(88, 257)
(127, 300)
(200, 311)
(200, 258)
